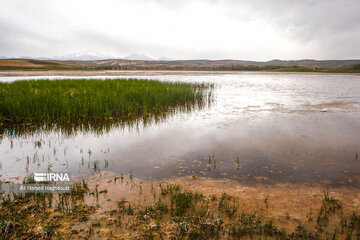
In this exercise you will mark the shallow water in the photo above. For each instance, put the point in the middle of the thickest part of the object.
(262, 128)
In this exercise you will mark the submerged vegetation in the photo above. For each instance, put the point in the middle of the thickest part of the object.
(172, 214)
(96, 101)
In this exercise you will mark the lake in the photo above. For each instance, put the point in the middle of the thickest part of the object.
(261, 128)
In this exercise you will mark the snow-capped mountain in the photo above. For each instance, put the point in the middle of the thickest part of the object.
(136, 56)
(87, 55)
(96, 55)
(165, 59)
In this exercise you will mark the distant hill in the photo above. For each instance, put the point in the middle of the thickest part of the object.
(33, 65)
(191, 65)
(223, 65)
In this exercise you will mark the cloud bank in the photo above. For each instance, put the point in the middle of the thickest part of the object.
(212, 29)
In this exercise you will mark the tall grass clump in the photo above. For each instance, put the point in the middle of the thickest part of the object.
(81, 100)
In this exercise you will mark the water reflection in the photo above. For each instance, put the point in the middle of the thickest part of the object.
(99, 127)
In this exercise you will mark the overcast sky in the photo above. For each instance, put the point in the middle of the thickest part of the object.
(181, 29)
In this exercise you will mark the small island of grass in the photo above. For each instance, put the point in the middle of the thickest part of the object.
(84, 100)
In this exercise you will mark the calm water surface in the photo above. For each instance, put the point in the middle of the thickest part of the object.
(261, 128)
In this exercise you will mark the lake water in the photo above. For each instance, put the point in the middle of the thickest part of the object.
(261, 128)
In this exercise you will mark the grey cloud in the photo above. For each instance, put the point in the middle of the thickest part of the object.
(333, 25)
(320, 28)
(14, 38)
(307, 19)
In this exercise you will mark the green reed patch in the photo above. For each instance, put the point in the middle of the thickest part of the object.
(81, 100)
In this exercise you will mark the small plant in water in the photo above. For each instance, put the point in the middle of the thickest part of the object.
(106, 163)
(96, 166)
(237, 163)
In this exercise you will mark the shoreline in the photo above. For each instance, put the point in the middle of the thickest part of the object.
(81, 73)
(115, 206)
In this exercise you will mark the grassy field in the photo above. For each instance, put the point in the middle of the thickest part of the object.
(69, 101)
(33, 65)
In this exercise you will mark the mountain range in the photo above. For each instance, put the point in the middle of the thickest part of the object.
(92, 56)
